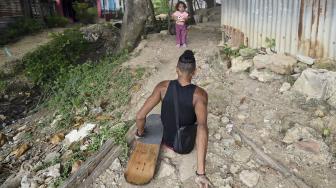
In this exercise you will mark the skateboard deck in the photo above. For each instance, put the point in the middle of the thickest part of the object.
(141, 165)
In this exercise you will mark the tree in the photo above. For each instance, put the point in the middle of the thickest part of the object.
(210, 3)
(191, 11)
(134, 20)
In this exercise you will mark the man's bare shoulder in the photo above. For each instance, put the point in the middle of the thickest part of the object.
(162, 85)
(200, 93)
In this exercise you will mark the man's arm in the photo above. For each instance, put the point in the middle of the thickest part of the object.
(150, 103)
(201, 110)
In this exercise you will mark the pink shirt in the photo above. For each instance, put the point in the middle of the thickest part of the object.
(181, 16)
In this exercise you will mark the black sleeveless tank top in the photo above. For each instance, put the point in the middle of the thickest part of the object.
(187, 114)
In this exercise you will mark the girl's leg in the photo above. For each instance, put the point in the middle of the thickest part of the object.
(184, 34)
(178, 34)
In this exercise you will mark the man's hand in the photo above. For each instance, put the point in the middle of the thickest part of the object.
(139, 134)
(202, 181)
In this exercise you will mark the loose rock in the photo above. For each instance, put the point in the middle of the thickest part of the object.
(116, 165)
(247, 53)
(51, 156)
(242, 155)
(317, 84)
(298, 133)
(305, 59)
(225, 120)
(264, 75)
(76, 166)
(277, 63)
(249, 177)
(75, 135)
(285, 87)
(240, 65)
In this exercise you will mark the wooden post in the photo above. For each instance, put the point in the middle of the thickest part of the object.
(99, 8)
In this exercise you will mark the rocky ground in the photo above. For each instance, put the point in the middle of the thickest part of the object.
(284, 107)
(257, 96)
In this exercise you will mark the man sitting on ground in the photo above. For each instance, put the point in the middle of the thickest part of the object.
(192, 104)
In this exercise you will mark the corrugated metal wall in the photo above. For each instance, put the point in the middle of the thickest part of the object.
(306, 27)
(9, 9)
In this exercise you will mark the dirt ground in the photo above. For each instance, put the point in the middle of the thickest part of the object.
(258, 109)
(26, 44)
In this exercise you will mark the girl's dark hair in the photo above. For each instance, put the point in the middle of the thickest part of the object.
(187, 62)
(178, 4)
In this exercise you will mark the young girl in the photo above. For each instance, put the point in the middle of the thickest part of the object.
(181, 16)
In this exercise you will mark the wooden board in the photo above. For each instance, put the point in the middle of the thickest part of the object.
(141, 165)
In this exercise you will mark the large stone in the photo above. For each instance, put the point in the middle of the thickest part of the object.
(310, 151)
(317, 84)
(51, 156)
(305, 59)
(240, 65)
(76, 135)
(116, 165)
(327, 64)
(285, 87)
(247, 53)
(298, 133)
(264, 75)
(280, 64)
(242, 155)
(249, 177)
(52, 171)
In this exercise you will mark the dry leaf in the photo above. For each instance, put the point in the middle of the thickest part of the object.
(3, 139)
(18, 152)
(104, 117)
(57, 138)
(75, 166)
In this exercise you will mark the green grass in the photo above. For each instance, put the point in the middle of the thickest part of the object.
(3, 85)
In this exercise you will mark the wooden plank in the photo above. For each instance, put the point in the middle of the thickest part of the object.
(141, 165)
(298, 181)
(108, 159)
(96, 164)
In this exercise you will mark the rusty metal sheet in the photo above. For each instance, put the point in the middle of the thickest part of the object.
(305, 27)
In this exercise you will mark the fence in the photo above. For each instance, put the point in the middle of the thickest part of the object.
(306, 27)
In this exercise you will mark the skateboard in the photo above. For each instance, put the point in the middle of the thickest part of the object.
(142, 162)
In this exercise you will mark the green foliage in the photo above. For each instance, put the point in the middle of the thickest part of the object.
(161, 6)
(270, 43)
(326, 132)
(84, 13)
(56, 21)
(21, 26)
(230, 52)
(49, 61)
(3, 85)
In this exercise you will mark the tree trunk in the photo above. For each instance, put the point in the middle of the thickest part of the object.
(152, 12)
(134, 20)
(191, 12)
(210, 3)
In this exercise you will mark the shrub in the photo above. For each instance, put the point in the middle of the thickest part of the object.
(56, 21)
(50, 61)
(20, 27)
(161, 6)
(84, 13)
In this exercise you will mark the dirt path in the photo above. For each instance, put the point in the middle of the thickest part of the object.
(26, 44)
(258, 109)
